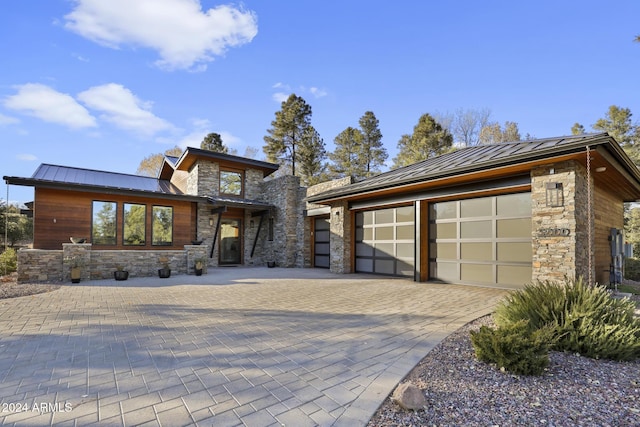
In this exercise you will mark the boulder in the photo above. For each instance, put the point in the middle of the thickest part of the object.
(408, 396)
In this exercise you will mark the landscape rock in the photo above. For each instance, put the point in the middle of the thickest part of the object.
(408, 396)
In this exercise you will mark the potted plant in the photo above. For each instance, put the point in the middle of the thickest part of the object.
(75, 262)
(120, 273)
(165, 271)
(199, 265)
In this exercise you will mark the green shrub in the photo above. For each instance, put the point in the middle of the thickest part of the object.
(514, 347)
(585, 319)
(632, 269)
(8, 261)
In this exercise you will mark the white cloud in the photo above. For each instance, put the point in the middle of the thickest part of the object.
(45, 103)
(280, 96)
(26, 157)
(318, 93)
(6, 120)
(123, 109)
(202, 127)
(185, 36)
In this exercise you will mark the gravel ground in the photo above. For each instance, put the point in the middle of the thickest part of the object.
(9, 288)
(461, 391)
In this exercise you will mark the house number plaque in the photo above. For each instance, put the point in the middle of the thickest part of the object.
(554, 232)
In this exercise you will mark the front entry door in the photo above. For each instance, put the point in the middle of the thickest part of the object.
(230, 241)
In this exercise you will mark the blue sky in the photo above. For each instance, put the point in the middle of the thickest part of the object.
(103, 84)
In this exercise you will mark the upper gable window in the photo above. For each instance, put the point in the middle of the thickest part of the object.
(231, 183)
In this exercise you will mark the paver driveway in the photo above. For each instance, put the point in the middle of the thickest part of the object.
(250, 346)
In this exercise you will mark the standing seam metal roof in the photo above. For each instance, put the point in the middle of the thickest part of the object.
(467, 159)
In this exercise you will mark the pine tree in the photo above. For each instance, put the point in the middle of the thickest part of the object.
(213, 142)
(372, 153)
(287, 131)
(347, 155)
(429, 139)
(312, 155)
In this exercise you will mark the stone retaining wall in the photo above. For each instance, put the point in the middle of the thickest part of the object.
(36, 265)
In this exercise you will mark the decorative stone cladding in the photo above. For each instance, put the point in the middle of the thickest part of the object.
(204, 179)
(287, 245)
(38, 265)
(559, 254)
(340, 220)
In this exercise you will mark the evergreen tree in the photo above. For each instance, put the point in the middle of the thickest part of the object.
(347, 155)
(312, 155)
(213, 142)
(372, 153)
(429, 139)
(577, 129)
(617, 122)
(287, 131)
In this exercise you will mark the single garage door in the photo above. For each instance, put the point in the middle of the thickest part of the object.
(484, 241)
(321, 245)
(385, 241)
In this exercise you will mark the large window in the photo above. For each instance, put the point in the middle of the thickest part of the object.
(231, 183)
(134, 232)
(104, 223)
(162, 225)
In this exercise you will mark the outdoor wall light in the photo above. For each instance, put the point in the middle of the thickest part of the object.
(210, 221)
(601, 169)
(555, 198)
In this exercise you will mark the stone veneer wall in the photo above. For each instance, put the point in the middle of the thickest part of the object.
(556, 257)
(285, 248)
(36, 265)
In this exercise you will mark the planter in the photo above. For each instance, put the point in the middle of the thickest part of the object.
(198, 271)
(164, 273)
(121, 275)
(271, 264)
(76, 273)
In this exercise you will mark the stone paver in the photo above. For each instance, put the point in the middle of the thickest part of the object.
(234, 347)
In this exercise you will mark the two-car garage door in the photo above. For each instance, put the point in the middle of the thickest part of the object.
(475, 241)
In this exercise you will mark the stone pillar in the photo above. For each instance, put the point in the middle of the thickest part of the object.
(340, 238)
(560, 234)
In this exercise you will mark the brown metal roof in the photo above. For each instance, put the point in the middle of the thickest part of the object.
(478, 158)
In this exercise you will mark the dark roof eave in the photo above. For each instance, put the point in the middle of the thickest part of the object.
(240, 203)
(29, 182)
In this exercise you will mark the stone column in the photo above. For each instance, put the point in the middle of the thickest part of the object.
(560, 233)
(340, 238)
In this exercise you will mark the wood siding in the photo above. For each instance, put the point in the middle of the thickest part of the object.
(608, 214)
(60, 214)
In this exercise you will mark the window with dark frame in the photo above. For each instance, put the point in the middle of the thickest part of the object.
(103, 224)
(134, 224)
(231, 183)
(162, 226)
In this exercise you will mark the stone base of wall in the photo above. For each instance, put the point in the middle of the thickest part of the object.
(36, 265)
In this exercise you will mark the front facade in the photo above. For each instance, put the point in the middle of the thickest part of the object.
(496, 215)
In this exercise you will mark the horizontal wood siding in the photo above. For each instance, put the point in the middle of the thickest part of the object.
(608, 213)
(60, 214)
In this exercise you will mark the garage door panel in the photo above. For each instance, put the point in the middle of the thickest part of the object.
(493, 245)
(385, 241)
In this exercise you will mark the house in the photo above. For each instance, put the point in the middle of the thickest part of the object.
(493, 215)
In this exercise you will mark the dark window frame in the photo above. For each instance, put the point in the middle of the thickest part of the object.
(124, 223)
(98, 242)
(153, 221)
(231, 171)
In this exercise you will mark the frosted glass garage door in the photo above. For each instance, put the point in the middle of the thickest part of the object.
(385, 241)
(483, 241)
